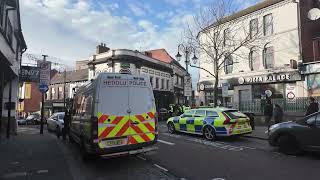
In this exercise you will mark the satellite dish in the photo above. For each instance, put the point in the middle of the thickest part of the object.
(314, 14)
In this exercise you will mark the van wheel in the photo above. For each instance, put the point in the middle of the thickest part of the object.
(171, 128)
(209, 133)
(71, 140)
(58, 132)
(86, 157)
(288, 145)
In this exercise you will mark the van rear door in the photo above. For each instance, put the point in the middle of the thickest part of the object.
(112, 110)
(142, 110)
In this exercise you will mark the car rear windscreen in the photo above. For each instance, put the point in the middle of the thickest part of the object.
(233, 114)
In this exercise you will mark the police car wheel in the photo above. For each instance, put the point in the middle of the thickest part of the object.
(209, 133)
(171, 128)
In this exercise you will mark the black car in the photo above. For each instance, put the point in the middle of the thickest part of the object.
(33, 119)
(294, 137)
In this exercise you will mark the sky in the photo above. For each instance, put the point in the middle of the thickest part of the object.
(69, 30)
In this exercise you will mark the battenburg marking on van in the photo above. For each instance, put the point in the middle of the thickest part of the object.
(143, 131)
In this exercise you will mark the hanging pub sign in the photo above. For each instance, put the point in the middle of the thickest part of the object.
(29, 74)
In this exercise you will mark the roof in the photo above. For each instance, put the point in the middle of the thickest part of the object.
(71, 76)
(160, 54)
(163, 55)
(251, 9)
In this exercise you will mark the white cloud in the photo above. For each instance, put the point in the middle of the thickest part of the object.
(137, 11)
(175, 2)
(71, 30)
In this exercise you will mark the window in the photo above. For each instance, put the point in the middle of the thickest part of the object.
(157, 83)
(175, 79)
(27, 94)
(311, 120)
(151, 81)
(60, 94)
(254, 60)
(267, 25)
(228, 64)
(253, 27)
(200, 113)
(316, 49)
(1, 12)
(168, 87)
(9, 32)
(268, 57)
(226, 36)
(162, 83)
(189, 113)
(212, 114)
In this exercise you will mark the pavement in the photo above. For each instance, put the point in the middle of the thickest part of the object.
(180, 156)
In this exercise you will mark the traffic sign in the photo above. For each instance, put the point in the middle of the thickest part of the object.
(45, 68)
(43, 88)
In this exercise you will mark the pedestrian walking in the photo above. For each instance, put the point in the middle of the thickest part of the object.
(268, 113)
(66, 119)
(278, 114)
(313, 106)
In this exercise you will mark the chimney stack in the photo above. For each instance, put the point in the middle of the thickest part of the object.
(102, 48)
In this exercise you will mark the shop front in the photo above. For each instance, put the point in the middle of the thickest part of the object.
(206, 93)
(277, 85)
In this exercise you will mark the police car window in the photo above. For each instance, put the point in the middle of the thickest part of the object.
(200, 113)
(212, 114)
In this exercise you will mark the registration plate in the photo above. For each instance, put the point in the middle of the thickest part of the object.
(115, 142)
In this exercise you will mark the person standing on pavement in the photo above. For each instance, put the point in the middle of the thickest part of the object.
(268, 113)
(278, 114)
(66, 119)
(313, 107)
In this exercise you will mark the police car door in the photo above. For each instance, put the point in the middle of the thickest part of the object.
(199, 116)
(142, 110)
(112, 110)
(186, 121)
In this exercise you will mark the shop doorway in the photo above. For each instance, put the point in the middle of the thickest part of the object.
(244, 96)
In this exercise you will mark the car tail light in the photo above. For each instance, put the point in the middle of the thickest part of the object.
(228, 120)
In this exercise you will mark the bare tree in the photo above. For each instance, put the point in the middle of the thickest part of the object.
(220, 33)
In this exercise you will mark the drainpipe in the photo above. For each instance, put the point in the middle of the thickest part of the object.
(299, 27)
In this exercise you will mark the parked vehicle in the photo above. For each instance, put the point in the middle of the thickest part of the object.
(32, 119)
(22, 121)
(211, 122)
(114, 115)
(55, 122)
(294, 137)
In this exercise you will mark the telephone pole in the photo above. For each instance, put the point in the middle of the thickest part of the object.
(42, 104)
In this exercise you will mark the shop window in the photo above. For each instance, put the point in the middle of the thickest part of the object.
(268, 57)
(228, 64)
(316, 49)
(253, 27)
(268, 25)
(254, 60)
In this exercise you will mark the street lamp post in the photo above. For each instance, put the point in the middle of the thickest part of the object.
(187, 51)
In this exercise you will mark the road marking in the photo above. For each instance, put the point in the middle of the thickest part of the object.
(42, 171)
(166, 142)
(217, 145)
(171, 135)
(218, 179)
(162, 168)
(16, 174)
(140, 157)
(14, 163)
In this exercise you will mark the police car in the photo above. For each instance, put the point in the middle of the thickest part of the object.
(211, 122)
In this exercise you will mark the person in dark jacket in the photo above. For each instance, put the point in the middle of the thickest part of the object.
(66, 119)
(268, 113)
(278, 114)
(313, 107)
